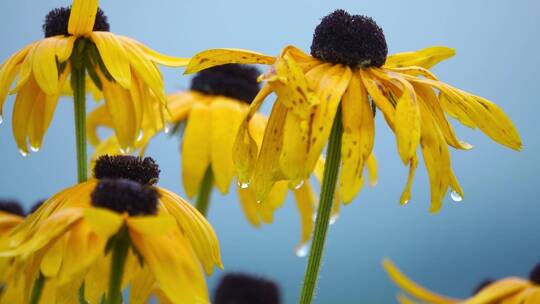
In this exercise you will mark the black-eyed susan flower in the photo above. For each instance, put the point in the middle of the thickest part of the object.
(78, 44)
(504, 291)
(329, 97)
(11, 215)
(241, 288)
(349, 67)
(211, 113)
(120, 217)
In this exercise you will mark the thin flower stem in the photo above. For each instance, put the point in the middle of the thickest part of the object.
(37, 289)
(78, 84)
(203, 198)
(326, 199)
(120, 250)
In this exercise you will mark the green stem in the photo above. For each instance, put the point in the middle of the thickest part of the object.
(37, 289)
(205, 190)
(323, 213)
(120, 250)
(78, 85)
(80, 296)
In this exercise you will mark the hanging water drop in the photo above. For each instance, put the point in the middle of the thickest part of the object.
(405, 202)
(1, 119)
(302, 250)
(140, 136)
(243, 185)
(299, 185)
(23, 153)
(166, 129)
(333, 218)
(456, 197)
(34, 149)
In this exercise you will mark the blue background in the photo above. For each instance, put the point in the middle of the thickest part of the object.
(492, 233)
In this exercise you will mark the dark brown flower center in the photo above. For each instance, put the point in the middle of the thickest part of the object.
(535, 274)
(231, 80)
(245, 289)
(124, 195)
(11, 207)
(353, 40)
(56, 22)
(141, 170)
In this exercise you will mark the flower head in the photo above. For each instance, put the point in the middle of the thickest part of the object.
(507, 290)
(77, 41)
(242, 288)
(170, 243)
(349, 68)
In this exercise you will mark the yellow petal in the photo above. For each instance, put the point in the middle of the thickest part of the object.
(8, 71)
(358, 138)
(373, 174)
(158, 57)
(249, 205)
(294, 152)
(498, 290)
(114, 57)
(142, 286)
(82, 17)
(122, 111)
(412, 288)
(44, 66)
(52, 259)
(26, 66)
(533, 297)
(103, 222)
(305, 202)
(179, 105)
(406, 194)
(379, 97)
(81, 238)
(209, 58)
(267, 171)
(196, 228)
(151, 225)
(273, 201)
(174, 265)
(246, 147)
(330, 90)
(24, 104)
(436, 158)
(304, 61)
(291, 86)
(402, 299)
(425, 58)
(99, 117)
(64, 47)
(196, 148)
(226, 117)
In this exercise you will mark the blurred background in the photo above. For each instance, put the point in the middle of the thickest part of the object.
(492, 233)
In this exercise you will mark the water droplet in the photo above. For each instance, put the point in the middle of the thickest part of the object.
(302, 250)
(243, 185)
(34, 149)
(333, 218)
(314, 216)
(166, 129)
(141, 134)
(405, 202)
(258, 202)
(1, 119)
(23, 153)
(299, 185)
(455, 196)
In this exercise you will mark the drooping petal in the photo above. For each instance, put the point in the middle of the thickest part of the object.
(8, 71)
(226, 117)
(114, 56)
(53, 257)
(103, 222)
(379, 97)
(24, 105)
(64, 47)
(196, 149)
(196, 228)
(267, 171)
(156, 56)
(330, 90)
(436, 158)
(498, 290)
(372, 169)
(26, 66)
(358, 137)
(304, 61)
(151, 225)
(99, 117)
(44, 66)
(406, 194)
(214, 57)
(246, 146)
(295, 147)
(305, 202)
(273, 201)
(412, 288)
(179, 105)
(142, 286)
(82, 17)
(249, 205)
(426, 58)
(174, 265)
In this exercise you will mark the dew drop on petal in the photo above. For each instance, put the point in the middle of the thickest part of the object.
(166, 129)
(23, 153)
(333, 219)
(1, 119)
(302, 250)
(243, 185)
(34, 149)
(299, 185)
(405, 202)
(140, 136)
(455, 196)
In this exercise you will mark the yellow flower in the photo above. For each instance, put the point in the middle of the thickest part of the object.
(503, 291)
(212, 111)
(78, 41)
(349, 68)
(171, 243)
(11, 215)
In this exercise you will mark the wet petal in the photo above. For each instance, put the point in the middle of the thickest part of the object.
(273, 201)
(249, 205)
(406, 194)
(22, 109)
(305, 202)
